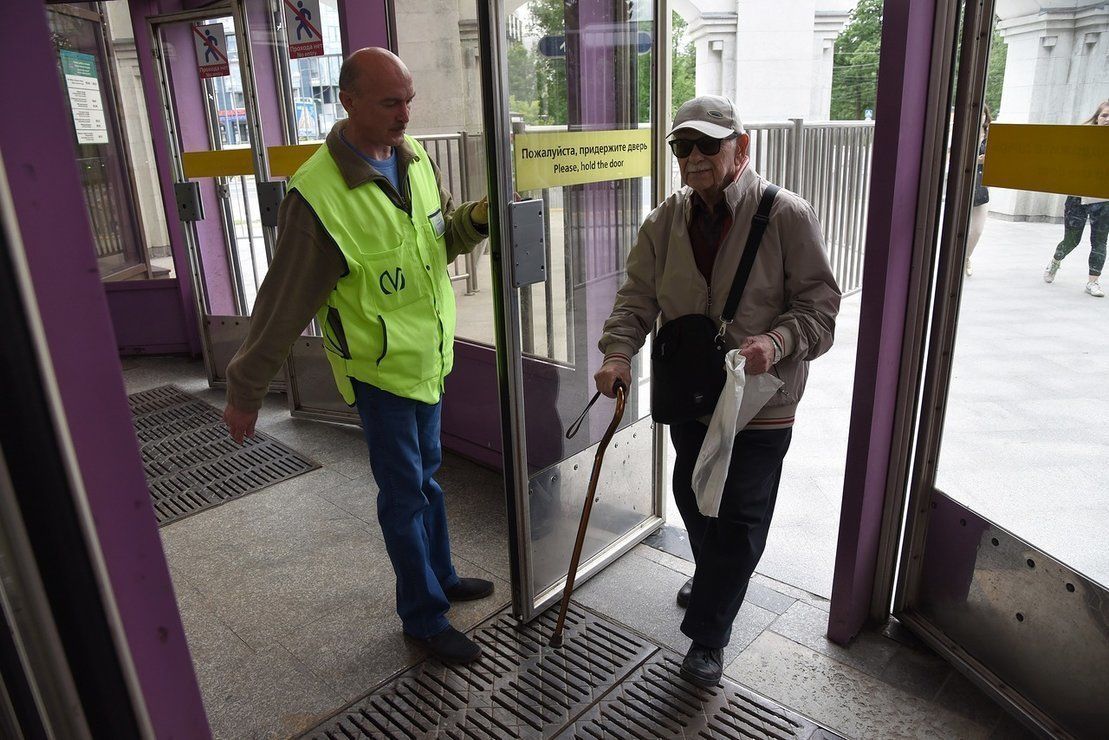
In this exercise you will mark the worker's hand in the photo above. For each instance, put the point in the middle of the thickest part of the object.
(759, 351)
(240, 423)
(609, 373)
(480, 212)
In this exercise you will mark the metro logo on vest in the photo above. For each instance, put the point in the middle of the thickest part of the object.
(394, 280)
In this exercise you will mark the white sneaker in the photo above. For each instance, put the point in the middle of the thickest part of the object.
(1049, 273)
(968, 269)
(1095, 290)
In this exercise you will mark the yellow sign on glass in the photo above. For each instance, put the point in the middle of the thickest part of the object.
(551, 159)
(1051, 159)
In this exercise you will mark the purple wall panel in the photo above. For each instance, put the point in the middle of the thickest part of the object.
(147, 316)
(363, 23)
(898, 142)
(40, 162)
(471, 424)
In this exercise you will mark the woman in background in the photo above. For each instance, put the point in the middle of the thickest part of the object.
(981, 193)
(1075, 212)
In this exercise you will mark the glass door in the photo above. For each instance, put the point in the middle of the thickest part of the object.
(86, 68)
(212, 111)
(1005, 567)
(570, 135)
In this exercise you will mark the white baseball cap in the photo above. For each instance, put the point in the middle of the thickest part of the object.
(712, 115)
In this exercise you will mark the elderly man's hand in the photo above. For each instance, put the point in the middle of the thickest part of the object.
(759, 351)
(239, 422)
(609, 373)
(480, 212)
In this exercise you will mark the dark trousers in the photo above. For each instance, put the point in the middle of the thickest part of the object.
(405, 453)
(1074, 222)
(726, 549)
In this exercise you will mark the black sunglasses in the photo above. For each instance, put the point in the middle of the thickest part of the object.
(707, 145)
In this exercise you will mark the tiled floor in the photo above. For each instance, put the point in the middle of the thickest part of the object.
(287, 600)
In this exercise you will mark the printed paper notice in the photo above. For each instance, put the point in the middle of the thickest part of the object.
(211, 50)
(82, 81)
(302, 28)
(553, 159)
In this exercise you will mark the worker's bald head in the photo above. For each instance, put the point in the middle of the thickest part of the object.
(371, 64)
(375, 88)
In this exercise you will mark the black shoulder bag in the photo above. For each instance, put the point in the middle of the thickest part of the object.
(687, 360)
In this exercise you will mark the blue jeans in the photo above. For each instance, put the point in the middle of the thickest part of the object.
(405, 452)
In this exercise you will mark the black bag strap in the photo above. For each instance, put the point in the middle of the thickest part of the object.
(754, 237)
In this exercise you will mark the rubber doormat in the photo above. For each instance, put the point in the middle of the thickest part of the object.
(605, 682)
(191, 462)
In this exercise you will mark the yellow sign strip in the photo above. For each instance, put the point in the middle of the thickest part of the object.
(224, 163)
(550, 159)
(284, 161)
(1048, 158)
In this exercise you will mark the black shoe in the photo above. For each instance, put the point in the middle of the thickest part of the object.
(703, 665)
(469, 589)
(684, 593)
(450, 646)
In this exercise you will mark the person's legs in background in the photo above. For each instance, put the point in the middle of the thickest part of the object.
(1099, 231)
(974, 233)
(1074, 221)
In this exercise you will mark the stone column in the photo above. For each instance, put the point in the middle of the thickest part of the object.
(714, 35)
(774, 58)
(471, 75)
(429, 44)
(1055, 72)
(827, 26)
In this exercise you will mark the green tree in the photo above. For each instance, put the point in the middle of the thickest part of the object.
(523, 95)
(683, 69)
(855, 62)
(548, 19)
(995, 71)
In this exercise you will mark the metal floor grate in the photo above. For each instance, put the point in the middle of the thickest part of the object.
(192, 464)
(519, 689)
(656, 702)
(605, 682)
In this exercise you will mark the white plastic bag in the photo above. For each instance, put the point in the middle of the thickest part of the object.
(743, 397)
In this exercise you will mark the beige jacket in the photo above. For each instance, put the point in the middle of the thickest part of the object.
(791, 290)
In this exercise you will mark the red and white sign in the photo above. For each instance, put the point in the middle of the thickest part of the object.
(211, 50)
(302, 28)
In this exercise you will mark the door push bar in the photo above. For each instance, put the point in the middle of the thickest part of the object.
(621, 399)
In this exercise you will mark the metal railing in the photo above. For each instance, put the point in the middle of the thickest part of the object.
(451, 153)
(104, 211)
(827, 164)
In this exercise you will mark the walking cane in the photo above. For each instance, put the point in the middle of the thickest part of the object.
(621, 397)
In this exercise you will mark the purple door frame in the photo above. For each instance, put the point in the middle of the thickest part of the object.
(40, 161)
(903, 79)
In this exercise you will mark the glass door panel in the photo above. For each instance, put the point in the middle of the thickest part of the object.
(85, 68)
(1006, 569)
(579, 78)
